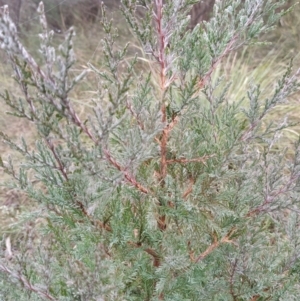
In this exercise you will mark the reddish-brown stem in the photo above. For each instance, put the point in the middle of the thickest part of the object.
(137, 118)
(209, 249)
(75, 118)
(163, 146)
(163, 153)
(79, 204)
(161, 32)
(96, 223)
(231, 281)
(101, 225)
(226, 51)
(161, 222)
(153, 253)
(189, 188)
(203, 160)
(257, 297)
(191, 252)
(156, 257)
(247, 133)
(203, 80)
(270, 198)
(184, 161)
(161, 41)
(27, 284)
(131, 179)
(216, 243)
(60, 167)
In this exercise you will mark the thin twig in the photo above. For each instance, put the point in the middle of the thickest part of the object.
(184, 161)
(27, 284)
(163, 146)
(269, 199)
(130, 178)
(60, 167)
(216, 243)
(231, 281)
(156, 257)
(189, 189)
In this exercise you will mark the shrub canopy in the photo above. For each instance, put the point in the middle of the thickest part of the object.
(164, 187)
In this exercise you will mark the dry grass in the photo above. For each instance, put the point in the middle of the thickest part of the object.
(243, 70)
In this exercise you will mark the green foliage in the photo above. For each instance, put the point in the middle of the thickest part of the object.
(162, 191)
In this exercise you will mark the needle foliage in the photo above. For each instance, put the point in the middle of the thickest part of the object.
(165, 188)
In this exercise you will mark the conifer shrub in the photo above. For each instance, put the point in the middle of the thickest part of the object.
(167, 188)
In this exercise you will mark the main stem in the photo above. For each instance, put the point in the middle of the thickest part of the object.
(162, 63)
